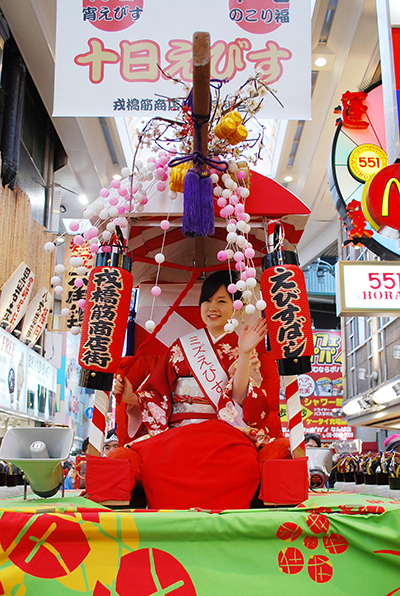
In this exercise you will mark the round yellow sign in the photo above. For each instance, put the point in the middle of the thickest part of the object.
(365, 161)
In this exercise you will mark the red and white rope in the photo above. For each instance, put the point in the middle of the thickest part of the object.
(293, 408)
(98, 426)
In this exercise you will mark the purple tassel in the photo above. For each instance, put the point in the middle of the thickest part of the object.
(198, 205)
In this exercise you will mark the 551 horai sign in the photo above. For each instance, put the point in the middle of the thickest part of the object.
(368, 288)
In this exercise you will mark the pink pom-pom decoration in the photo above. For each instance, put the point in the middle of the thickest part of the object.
(82, 303)
(249, 253)
(106, 249)
(238, 256)
(234, 199)
(123, 191)
(160, 173)
(240, 266)
(74, 226)
(78, 240)
(165, 177)
(222, 255)
(221, 202)
(241, 175)
(232, 289)
(113, 201)
(155, 291)
(228, 210)
(115, 183)
(164, 159)
(104, 192)
(78, 282)
(238, 305)
(239, 208)
(223, 213)
(161, 186)
(93, 232)
(121, 209)
(251, 272)
(165, 225)
(94, 248)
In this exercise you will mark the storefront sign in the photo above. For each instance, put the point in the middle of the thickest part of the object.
(383, 197)
(124, 58)
(15, 297)
(27, 380)
(36, 317)
(321, 390)
(367, 288)
(366, 160)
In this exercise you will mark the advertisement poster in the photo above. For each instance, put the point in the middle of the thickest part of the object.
(27, 380)
(124, 58)
(321, 391)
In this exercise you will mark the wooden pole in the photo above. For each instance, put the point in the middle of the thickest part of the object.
(201, 85)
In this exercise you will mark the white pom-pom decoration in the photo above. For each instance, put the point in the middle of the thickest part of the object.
(159, 258)
(214, 178)
(81, 270)
(251, 282)
(231, 227)
(235, 323)
(58, 290)
(103, 214)
(49, 247)
(229, 253)
(75, 330)
(229, 328)
(261, 305)
(250, 309)
(231, 237)
(55, 281)
(247, 295)
(106, 236)
(241, 285)
(150, 326)
(59, 269)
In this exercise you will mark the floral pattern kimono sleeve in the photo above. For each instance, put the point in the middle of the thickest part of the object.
(155, 393)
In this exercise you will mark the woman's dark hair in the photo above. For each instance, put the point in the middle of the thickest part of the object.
(215, 281)
(314, 437)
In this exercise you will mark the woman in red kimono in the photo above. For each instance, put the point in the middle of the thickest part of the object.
(204, 407)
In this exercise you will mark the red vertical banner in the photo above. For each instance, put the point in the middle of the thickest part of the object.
(321, 390)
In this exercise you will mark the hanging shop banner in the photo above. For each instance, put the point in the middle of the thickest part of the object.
(27, 380)
(73, 294)
(36, 317)
(123, 59)
(14, 297)
(368, 288)
(321, 390)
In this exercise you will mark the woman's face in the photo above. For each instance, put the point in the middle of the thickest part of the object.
(216, 311)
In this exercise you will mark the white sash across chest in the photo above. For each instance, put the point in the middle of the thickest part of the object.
(204, 364)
